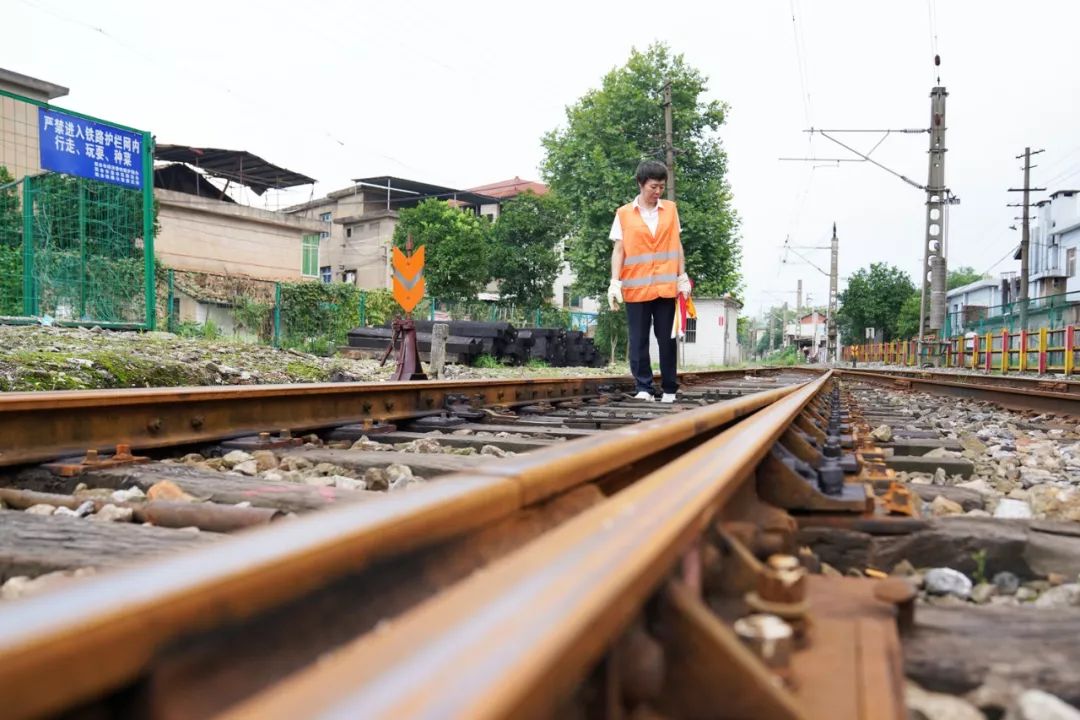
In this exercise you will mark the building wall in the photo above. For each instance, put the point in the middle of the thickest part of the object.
(357, 247)
(367, 252)
(19, 137)
(19, 151)
(206, 235)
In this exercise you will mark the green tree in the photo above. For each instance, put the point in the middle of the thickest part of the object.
(10, 215)
(873, 298)
(590, 163)
(525, 247)
(775, 327)
(907, 320)
(961, 276)
(742, 330)
(457, 254)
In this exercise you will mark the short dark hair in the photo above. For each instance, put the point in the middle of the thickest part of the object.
(650, 170)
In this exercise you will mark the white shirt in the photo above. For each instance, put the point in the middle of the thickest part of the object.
(651, 218)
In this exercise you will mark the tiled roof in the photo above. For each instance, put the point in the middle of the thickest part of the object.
(510, 188)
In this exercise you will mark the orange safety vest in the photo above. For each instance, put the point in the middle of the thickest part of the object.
(651, 263)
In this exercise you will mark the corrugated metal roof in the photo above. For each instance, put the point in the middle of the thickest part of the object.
(239, 166)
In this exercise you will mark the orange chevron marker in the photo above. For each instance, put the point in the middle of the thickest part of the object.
(408, 280)
(408, 298)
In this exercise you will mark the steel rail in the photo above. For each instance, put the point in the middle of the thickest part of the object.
(102, 632)
(515, 639)
(1015, 393)
(40, 426)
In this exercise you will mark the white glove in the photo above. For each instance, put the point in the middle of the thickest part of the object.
(614, 294)
(682, 284)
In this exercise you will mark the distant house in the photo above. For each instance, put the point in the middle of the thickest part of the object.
(219, 248)
(357, 224)
(810, 335)
(1055, 237)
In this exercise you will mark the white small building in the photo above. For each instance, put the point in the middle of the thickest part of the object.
(968, 304)
(1055, 237)
(712, 338)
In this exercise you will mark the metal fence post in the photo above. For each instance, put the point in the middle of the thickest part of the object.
(1004, 351)
(277, 314)
(170, 319)
(81, 184)
(363, 308)
(28, 248)
(148, 230)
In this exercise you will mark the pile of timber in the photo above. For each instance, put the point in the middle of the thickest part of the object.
(469, 339)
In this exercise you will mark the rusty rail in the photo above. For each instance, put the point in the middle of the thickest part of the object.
(40, 426)
(123, 619)
(513, 640)
(1017, 393)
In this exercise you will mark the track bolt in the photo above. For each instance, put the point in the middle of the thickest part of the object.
(389, 405)
(154, 425)
(264, 437)
(197, 422)
(284, 434)
(768, 637)
(366, 406)
(784, 581)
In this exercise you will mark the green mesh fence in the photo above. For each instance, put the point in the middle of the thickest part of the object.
(316, 317)
(86, 252)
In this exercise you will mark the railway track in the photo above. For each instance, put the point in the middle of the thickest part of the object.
(605, 557)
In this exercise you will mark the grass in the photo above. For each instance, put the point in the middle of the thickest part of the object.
(486, 362)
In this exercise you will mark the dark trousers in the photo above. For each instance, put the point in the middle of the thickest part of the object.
(660, 314)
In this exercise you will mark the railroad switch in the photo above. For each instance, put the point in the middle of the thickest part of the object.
(95, 461)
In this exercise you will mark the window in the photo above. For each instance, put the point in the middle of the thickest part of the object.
(309, 256)
(1070, 262)
(324, 235)
(348, 232)
(326, 274)
(569, 299)
(691, 330)
(349, 276)
(326, 217)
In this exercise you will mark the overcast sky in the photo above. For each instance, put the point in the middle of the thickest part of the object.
(460, 94)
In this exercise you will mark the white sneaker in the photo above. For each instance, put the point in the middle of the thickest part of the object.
(647, 396)
(668, 398)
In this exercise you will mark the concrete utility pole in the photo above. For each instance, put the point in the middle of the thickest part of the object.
(1025, 235)
(669, 143)
(783, 325)
(834, 277)
(935, 267)
(798, 309)
(772, 333)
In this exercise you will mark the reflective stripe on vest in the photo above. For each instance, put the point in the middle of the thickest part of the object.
(649, 280)
(650, 257)
(651, 260)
